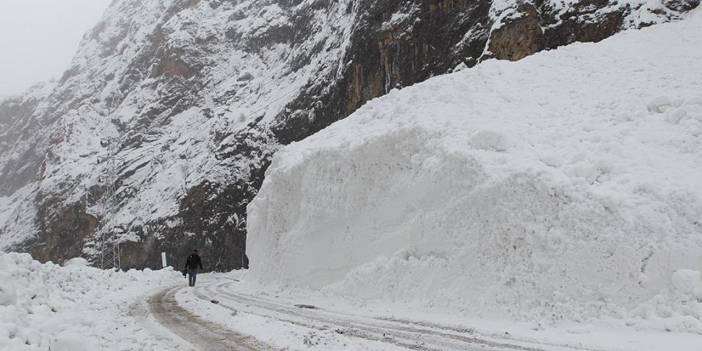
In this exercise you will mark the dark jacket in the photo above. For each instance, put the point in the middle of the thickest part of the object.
(193, 262)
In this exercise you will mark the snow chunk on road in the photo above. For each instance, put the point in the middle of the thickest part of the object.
(566, 186)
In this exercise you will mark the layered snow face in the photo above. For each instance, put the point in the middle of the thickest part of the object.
(564, 186)
(73, 308)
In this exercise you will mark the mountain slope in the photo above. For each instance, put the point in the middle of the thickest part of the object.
(159, 134)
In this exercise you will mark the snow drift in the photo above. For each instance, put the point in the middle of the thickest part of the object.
(73, 308)
(564, 186)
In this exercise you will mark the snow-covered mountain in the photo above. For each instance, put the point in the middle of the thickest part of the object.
(159, 134)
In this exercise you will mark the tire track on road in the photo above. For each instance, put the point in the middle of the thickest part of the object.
(409, 335)
(203, 335)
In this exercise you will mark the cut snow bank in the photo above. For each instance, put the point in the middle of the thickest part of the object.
(72, 308)
(564, 186)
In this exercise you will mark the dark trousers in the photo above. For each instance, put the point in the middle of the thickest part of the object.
(192, 276)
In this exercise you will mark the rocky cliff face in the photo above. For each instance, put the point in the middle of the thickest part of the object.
(159, 134)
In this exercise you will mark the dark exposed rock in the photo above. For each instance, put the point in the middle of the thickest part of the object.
(520, 37)
(71, 227)
(681, 5)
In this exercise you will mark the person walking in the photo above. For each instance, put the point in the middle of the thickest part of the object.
(192, 265)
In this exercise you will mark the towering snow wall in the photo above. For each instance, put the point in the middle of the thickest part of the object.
(566, 185)
(158, 135)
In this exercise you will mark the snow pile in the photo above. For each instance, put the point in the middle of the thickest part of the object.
(74, 308)
(677, 308)
(566, 186)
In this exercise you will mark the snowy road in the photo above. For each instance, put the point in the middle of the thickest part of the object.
(204, 335)
(395, 334)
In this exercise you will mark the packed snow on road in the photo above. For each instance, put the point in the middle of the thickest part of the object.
(553, 203)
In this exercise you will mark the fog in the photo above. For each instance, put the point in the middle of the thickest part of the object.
(39, 37)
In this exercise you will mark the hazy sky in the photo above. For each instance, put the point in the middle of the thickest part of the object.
(39, 37)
